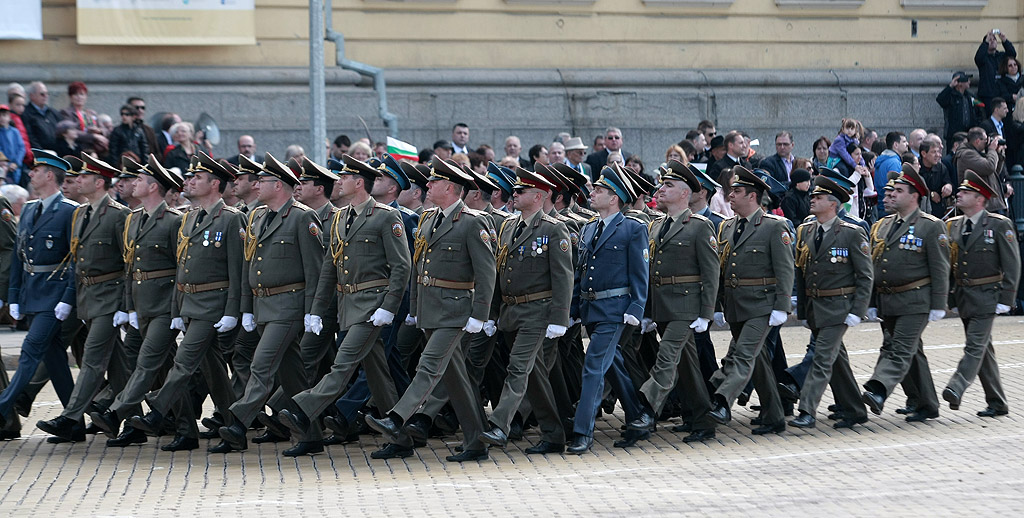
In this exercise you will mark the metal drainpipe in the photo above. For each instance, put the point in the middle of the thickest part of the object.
(377, 74)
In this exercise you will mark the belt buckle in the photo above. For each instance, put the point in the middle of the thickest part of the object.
(137, 275)
(348, 289)
(425, 280)
(188, 288)
(734, 283)
(657, 281)
(262, 292)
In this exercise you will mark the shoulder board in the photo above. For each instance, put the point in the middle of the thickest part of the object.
(847, 224)
(636, 219)
(929, 217)
(174, 211)
(383, 207)
(549, 219)
(232, 209)
(773, 216)
(117, 205)
(301, 206)
(473, 212)
(698, 217)
(140, 209)
(499, 212)
(580, 219)
(1000, 217)
(808, 223)
(402, 208)
(73, 203)
(719, 214)
(955, 218)
(592, 219)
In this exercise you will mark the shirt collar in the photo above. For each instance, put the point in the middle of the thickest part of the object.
(828, 225)
(451, 208)
(976, 218)
(48, 201)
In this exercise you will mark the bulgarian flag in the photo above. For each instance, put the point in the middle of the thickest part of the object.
(400, 150)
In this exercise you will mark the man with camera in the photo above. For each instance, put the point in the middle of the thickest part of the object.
(985, 155)
(957, 106)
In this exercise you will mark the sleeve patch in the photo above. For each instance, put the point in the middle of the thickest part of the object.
(485, 235)
(647, 256)
(396, 229)
(314, 229)
(943, 241)
(7, 215)
(1008, 234)
(866, 250)
(787, 239)
(563, 244)
(714, 243)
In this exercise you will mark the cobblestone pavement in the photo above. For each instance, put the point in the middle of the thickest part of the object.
(957, 465)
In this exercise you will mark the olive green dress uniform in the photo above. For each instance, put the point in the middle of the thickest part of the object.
(684, 285)
(314, 348)
(99, 277)
(986, 271)
(8, 237)
(536, 290)
(208, 286)
(243, 345)
(368, 269)
(911, 277)
(836, 281)
(455, 278)
(757, 278)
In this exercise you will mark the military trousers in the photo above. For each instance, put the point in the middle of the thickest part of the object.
(603, 356)
(477, 349)
(243, 348)
(830, 364)
(359, 392)
(119, 370)
(276, 357)
(979, 361)
(313, 348)
(895, 359)
(42, 344)
(13, 422)
(677, 363)
(362, 345)
(748, 360)
(442, 362)
(99, 347)
(158, 343)
(527, 346)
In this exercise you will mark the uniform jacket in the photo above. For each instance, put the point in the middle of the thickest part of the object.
(373, 249)
(210, 252)
(990, 250)
(927, 257)
(410, 219)
(460, 250)
(689, 248)
(619, 259)
(539, 260)
(8, 238)
(43, 242)
(100, 251)
(763, 251)
(150, 250)
(287, 251)
(848, 245)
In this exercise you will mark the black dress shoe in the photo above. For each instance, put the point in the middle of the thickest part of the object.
(297, 421)
(789, 391)
(757, 421)
(907, 410)
(213, 422)
(580, 444)
(849, 422)
(720, 413)
(515, 429)
(337, 424)
(392, 451)
(952, 397)
(686, 427)
(874, 401)
(608, 405)
(61, 426)
(804, 420)
(699, 436)
(92, 429)
(468, 455)
(235, 434)
(418, 427)
(9, 435)
(921, 415)
(150, 423)
(181, 443)
(210, 434)
(304, 448)
(837, 416)
(107, 421)
(77, 435)
(545, 447)
(743, 398)
(268, 437)
(991, 412)
(833, 407)
(227, 447)
(23, 404)
(631, 438)
(769, 428)
(494, 437)
(643, 423)
(128, 437)
(387, 427)
(446, 421)
(272, 424)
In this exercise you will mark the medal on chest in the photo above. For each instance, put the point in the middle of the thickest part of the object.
(206, 238)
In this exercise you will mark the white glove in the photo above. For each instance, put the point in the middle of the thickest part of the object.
(1001, 309)
(852, 320)
(700, 325)
(647, 325)
(793, 300)
(316, 324)
(15, 314)
(120, 318)
(410, 321)
(249, 322)
(490, 327)
(62, 310)
(305, 322)
(555, 331)
(178, 323)
(630, 320)
(574, 321)
(225, 324)
(133, 320)
(936, 314)
(719, 319)
(872, 314)
(777, 318)
(382, 317)
(473, 326)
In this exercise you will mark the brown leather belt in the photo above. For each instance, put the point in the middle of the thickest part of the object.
(96, 279)
(441, 283)
(512, 300)
(992, 279)
(906, 287)
(352, 288)
(815, 293)
(199, 288)
(735, 283)
(277, 290)
(155, 274)
(675, 279)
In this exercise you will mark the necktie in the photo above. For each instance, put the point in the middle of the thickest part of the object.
(895, 226)
(818, 237)
(142, 223)
(199, 218)
(740, 227)
(39, 211)
(597, 235)
(519, 231)
(266, 221)
(438, 221)
(85, 221)
(968, 228)
(351, 218)
(664, 229)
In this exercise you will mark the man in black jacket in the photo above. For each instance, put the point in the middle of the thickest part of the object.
(957, 106)
(735, 154)
(40, 120)
(988, 59)
(129, 136)
(940, 181)
(781, 163)
(612, 142)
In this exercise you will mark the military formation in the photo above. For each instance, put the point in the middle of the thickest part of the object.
(315, 303)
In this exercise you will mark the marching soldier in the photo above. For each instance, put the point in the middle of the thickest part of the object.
(535, 276)
(96, 251)
(910, 250)
(705, 347)
(757, 279)
(684, 274)
(414, 197)
(505, 179)
(283, 256)
(986, 269)
(8, 238)
(150, 238)
(833, 295)
(455, 274)
(208, 283)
